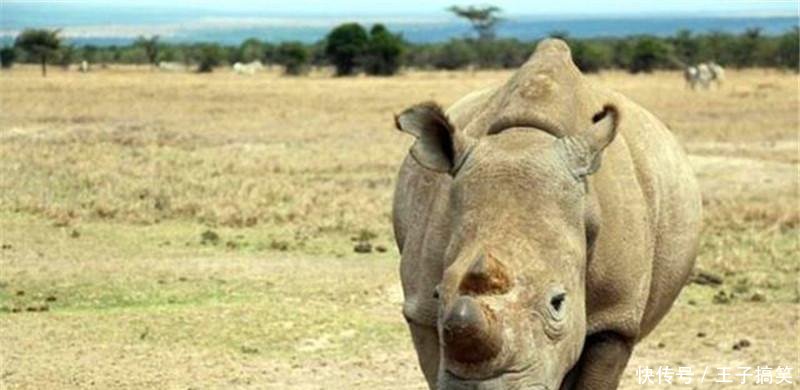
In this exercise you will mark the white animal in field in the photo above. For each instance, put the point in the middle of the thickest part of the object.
(248, 68)
(717, 73)
(690, 75)
(698, 75)
(84, 66)
(171, 66)
(704, 75)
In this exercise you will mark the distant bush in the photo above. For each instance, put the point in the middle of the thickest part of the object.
(500, 53)
(716, 46)
(350, 48)
(787, 53)
(88, 53)
(66, 56)
(170, 53)
(648, 54)
(133, 55)
(686, 47)
(591, 56)
(622, 53)
(293, 56)
(150, 46)
(384, 51)
(454, 54)
(7, 57)
(269, 53)
(207, 57)
(745, 49)
(345, 46)
(250, 50)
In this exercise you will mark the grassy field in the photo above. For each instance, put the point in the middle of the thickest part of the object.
(165, 230)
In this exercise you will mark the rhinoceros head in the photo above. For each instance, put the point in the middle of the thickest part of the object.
(512, 305)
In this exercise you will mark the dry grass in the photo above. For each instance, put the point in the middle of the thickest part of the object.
(109, 179)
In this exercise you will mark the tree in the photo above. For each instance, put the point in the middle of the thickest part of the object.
(251, 50)
(746, 47)
(717, 46)
(270, 53)
(208, 56)
(345, 46)
(648, 53)
(7, 57)
(151, 48)
(500, 53)
(39, 43)
(590, 56)
(687, 48)
(293, 56)
(454, 54)
(90, 53)
(66, 56)
(317, 52)
(787, 52)
(622, 53)
(484, 19)
(384, 52)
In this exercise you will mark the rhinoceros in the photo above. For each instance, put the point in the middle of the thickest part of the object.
(545, 227)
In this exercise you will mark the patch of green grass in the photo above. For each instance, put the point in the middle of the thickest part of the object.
(115, 293)
(32, 236)
(751, 261)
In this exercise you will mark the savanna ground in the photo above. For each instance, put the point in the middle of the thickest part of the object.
(171, 230)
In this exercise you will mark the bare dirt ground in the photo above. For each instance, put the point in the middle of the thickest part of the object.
(187, 231)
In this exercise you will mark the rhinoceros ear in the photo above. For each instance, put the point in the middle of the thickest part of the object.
(583, 151)
(439, 147)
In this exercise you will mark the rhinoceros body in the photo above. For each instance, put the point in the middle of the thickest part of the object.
(545, 226)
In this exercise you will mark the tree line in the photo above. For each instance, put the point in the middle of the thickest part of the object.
(351, 48)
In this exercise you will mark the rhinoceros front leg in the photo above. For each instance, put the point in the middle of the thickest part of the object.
(426, 342)
(605, 356)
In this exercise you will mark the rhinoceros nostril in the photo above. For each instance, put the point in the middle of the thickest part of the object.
(469, 331)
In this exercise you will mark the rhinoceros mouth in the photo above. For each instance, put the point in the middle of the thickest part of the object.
(505, 380)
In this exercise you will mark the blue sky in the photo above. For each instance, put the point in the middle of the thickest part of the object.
(410, 7)
(230, 21)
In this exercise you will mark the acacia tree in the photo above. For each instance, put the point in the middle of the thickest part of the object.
(39, 43)
(150, 46)
(484, 19)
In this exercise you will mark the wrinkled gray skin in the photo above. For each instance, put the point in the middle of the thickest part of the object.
(545, 227)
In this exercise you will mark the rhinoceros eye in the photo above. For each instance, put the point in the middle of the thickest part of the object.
(437, 292)
(557, 304)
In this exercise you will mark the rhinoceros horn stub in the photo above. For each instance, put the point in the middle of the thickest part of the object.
(470, 332)
(486, 275)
